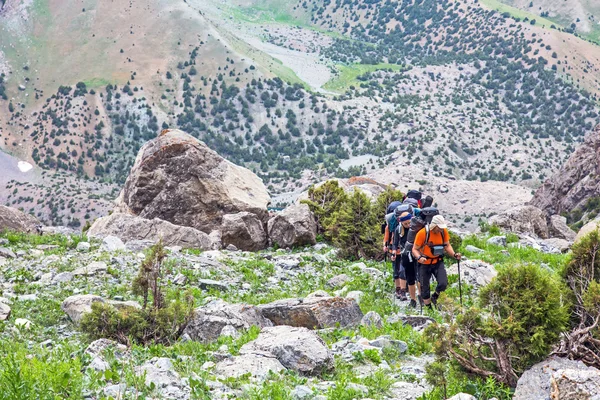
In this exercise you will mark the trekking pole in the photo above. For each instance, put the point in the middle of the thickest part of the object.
(459, 285)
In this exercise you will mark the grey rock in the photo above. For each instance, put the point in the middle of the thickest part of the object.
(338, 281)
(258, 365)
(91, 269)
(229, 330)
(473, 249)
(117, 392)
(357, 295)
(207, 284)
(523, 219)
(146, 232)
(302, 392)
(180, 280)
(4, 311)
(15, 220)
(561, 245)
(231, 247)
(497, 241)
(63, 277)
(98, 347)
(83, 247)
(99, 364)
(536, 383)
(7, 253)
(177, 178)
(558, 228)
(209, 321)
(386, 341)
(418, 322)
(295, 226)
(287, 262)
(575, 383)
(298, 349)
(313, 313)
(78, 305)
(407, 391)
(161, 373)
(463, 396)
(112, 243)
(372, 318)
(244, 230)
(474, 272)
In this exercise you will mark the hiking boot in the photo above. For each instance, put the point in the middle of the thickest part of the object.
(400, 294)
(413, 303)
(434, 298)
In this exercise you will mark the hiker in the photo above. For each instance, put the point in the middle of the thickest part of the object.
(431, 243)
(392, 223)
(404, 261)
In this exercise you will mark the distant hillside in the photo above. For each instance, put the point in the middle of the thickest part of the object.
(296, 91)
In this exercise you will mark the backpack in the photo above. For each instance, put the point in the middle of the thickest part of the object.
(392, 207)
(417, 223)
(391, 215)
(414, 194)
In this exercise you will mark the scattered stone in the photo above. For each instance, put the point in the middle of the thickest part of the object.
(23, 323)
(313, 313)
(63, 277)
(407, 390)
(287, 263)
(561, 245)
(298, 349)
(78, 305)
(4, 312)
(317, 294)
(497, 241)
(258, 365)
(206, 284)
(208, 321)
(475, 272)
(112, 243)
(91, 269)
(98, 364)
(27, 297)
(473, 249)
(569, 382)
(386, 341)
(356, 295)
(161, 373)
(116, 392)
(83, 247)
(372, 318)
(417, 322)
(293, 227)
(231, 247)
(338, 281)
(97, 348)
(180, 279)
(302, 392)
(7, 253)
(463, 396)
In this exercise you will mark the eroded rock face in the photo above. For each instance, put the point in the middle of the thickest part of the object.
(575, 182)
(210, 320)
(178, 179)
(558, 228)
(298, 349)
(313, 313)
(129, 228)
(523, 219)
(244, 230)
(294, 226)
(12, 219)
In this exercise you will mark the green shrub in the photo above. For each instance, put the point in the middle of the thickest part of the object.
(161, 323)
(324, 201)
(384, 199)
(520, 316)
(455, 241)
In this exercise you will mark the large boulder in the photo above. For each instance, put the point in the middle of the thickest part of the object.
(558, 228)
(244, 230)
(588, 228)
(177, 178)
(210, 320)
(129, 227)
(476, 273)
(257, 365)
(555, 377)
(522, 219)
(295, 226)
(314, 312)
(298, 349)
(12, 219)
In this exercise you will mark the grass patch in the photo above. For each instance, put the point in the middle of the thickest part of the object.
(348, 74)
(96, 83)
(518, 13)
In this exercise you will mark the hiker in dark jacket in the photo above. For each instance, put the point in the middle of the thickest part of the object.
(430, 246)
(403, 260)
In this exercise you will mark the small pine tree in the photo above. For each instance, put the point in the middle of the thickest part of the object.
(384, 199)
(324, 201)
(354, 228)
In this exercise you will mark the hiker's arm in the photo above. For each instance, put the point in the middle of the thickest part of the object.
(386, 238)
(416, 251)
(450, 251)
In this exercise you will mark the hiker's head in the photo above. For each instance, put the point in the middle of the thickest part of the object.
(405, 218)
(438, 224)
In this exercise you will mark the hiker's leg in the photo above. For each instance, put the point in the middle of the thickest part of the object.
(402, 275)
(442, 278)
(396, 264)
(409, 268)
(424, 279)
